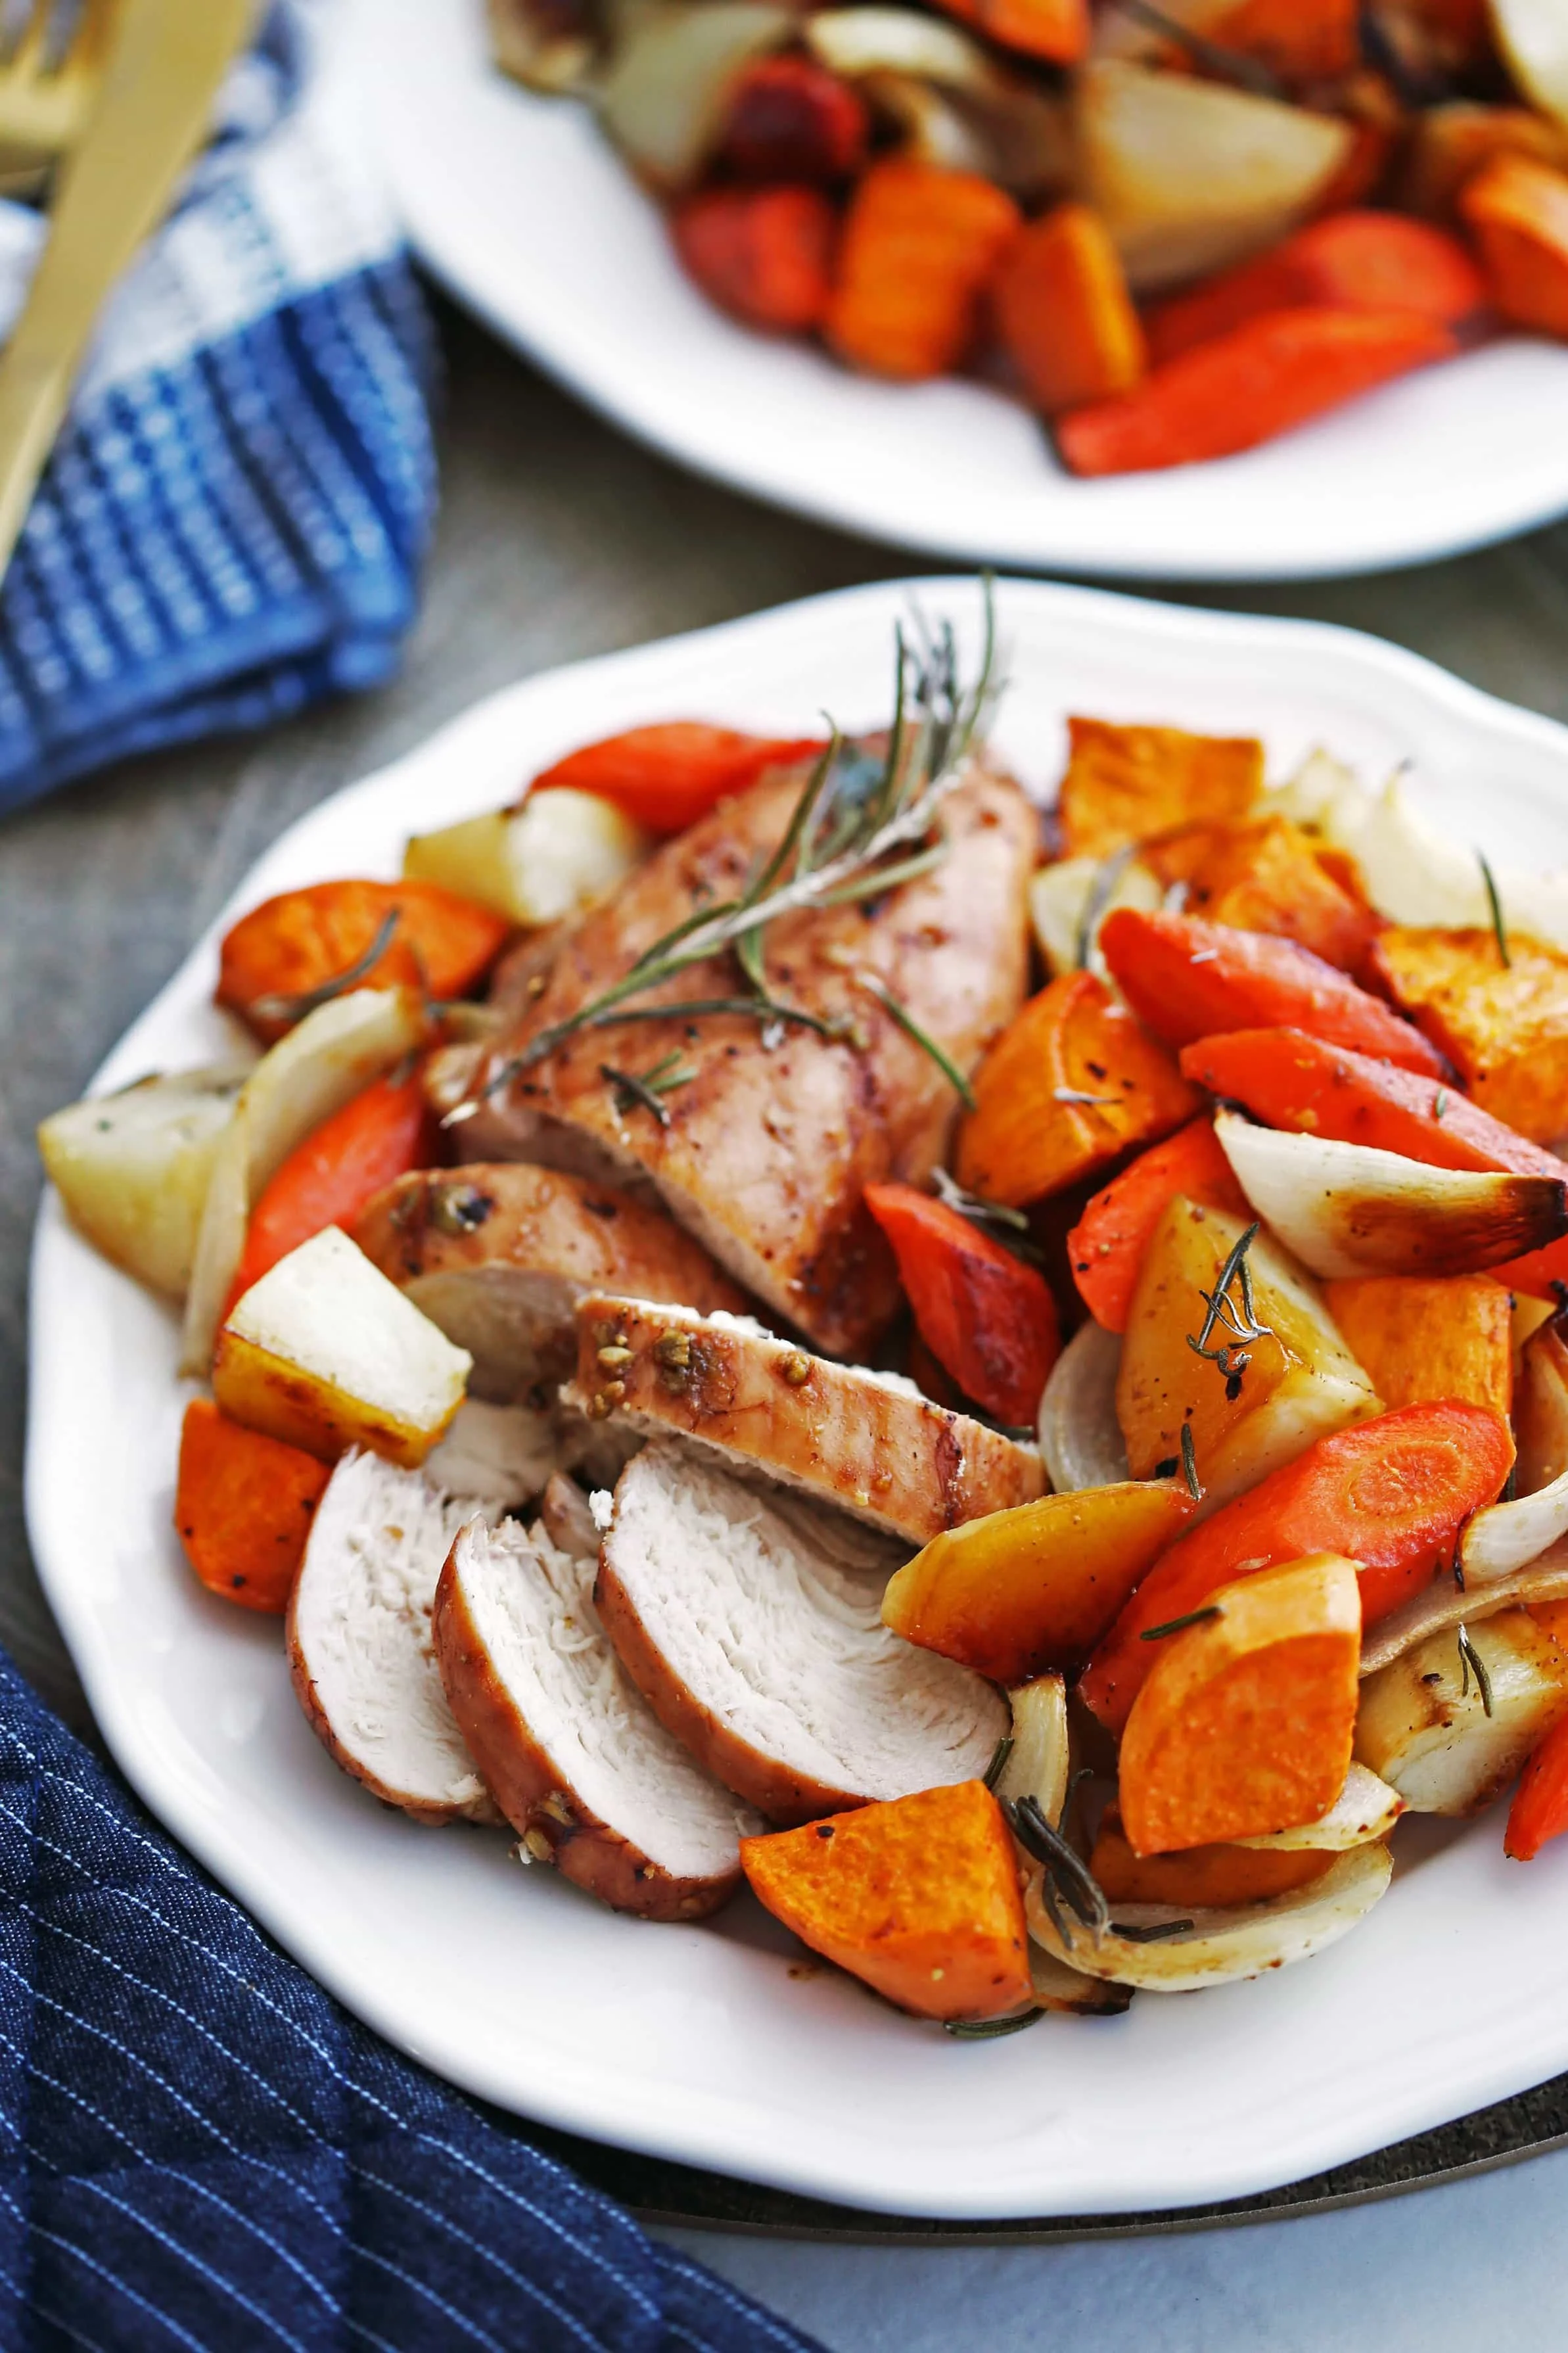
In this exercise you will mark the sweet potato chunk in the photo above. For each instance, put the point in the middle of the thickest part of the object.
(1064, 312)
(919, 1896)
(1268, 877)
(1019, 1591)
(1127, 784)
(312, 939)
(1422, 1337)
(1072, 1084)
(1300, 1381)
(1517, 211)
(919, 247)
(1245, 1724)
(1204, 1877)
(243, 1507)
(1503, 1027)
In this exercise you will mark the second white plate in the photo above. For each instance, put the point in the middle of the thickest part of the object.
(530, 217)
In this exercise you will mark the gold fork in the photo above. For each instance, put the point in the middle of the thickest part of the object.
(149, 101)
(50, 73)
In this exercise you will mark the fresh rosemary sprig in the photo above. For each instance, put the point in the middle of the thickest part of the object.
(1230, 1359)
(902, 1018)
(647, 1089)
(1472, 1663)
(1101, 892)
(815, 867)
(294, 1008)
(1494, 900)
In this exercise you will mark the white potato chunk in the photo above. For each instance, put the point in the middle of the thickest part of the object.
(326, 1354)
(1062, 896)
(663, 95)
(133, 1168)
(561, 851)
(1425, 1727)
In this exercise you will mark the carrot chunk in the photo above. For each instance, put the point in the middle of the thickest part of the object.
(1540, 1807)
(243, 1507)
(1106, 1245)
(1422, 1336)
(667, 775)
(1245, 1722)
(1187, 979)
(1517, 211)
(377, 1137)
(1054, 29)
(1259, 380)
(306, 940)
(1397, 1488)
(1064, 312)
(985, 1316)
(1350, 261)
(764, 254)
(1017, 1592)
(917, 1895)
(1202, 1876)
(789, 118)
(920, 248)
(1071, 1084)
(1127, 784)
(1299, 40)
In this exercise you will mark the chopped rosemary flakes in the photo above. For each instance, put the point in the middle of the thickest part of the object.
(1175, 1625)
(1136, 1934)
(644, 1090)
(1494, 900)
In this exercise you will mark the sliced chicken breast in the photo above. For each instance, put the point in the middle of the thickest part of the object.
(360, 1646)
(868, 1442)
(770, 1659)
(498, 1257)
(764, 1149)
(582, 1768)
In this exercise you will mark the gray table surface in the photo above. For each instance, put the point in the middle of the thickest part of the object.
(557, 539)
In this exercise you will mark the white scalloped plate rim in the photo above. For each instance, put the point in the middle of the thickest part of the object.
(528, 216)
(699, 2043)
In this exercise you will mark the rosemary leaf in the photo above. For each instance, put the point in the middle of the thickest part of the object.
(1135, 1933)
(998, 1765)
(1175, 1625)
(646, 1087)
(1190, 1464)
(1472, 1663)
(987, 2029)
(1216, 58)
(1494, 900)
(1101, 892)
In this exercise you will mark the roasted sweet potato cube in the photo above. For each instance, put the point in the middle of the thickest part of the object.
(1204, 1877)
(1128, 784)
(1517, 211)
(1019, 1591)
(1504, 1027)
(1064, 312)
(919, 1896)
(1072, 1084)
(1269, 878)
(243, 1507)
(1420, 1337)
(1246, 1722)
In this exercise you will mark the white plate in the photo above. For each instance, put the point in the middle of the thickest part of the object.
(697, 2042)
(528, 215)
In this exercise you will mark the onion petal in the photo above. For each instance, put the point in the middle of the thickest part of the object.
(1365, 1809)
(1446, 1604)
(1509, 1536)
(1081, 1437)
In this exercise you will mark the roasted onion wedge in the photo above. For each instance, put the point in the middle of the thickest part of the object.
(663, 98)
(1507, 1537)
(1444, 1604)
(1450, 1722)
(1347, 1208)
(1365, 1809)
(1219, 1946)
(1039, 1761)
(1080, 1437)
(1071, 1992)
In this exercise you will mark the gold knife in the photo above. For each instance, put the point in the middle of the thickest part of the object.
(168, 60)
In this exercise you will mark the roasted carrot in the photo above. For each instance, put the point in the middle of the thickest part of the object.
(917, 1895)
(243, 1507)
(1397, 1489)
(764, 254)
(1071, 1084)
(667, 775)
(1186, 979)
(920, 248)
(1261, 379)
(1106, 1247)
(306, 940)
(1015, 1593)
(1540, 1807)
(377, 1137)
(1245, 1721)
(1065, 316)
(788, 119)
(1057, 30)
(1350, 261)
(1133, 782)
(1290, 1080)
(1421, 1336)
(1217, 1875)
(985, 1316)
(1299, 40)
(1517, 211)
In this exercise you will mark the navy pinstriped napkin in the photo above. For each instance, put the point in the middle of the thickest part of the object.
(233, 520)
(200, 2150)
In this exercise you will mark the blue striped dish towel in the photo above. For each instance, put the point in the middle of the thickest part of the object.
(232, 522)
(201, 2153)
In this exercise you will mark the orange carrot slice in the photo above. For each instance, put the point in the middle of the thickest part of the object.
(313, 940)
(1397, 1488)
(1106, 1247)
(985, 1316)
(243, 1507)
(764, 254)
(1517, 210)
(667, 775)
